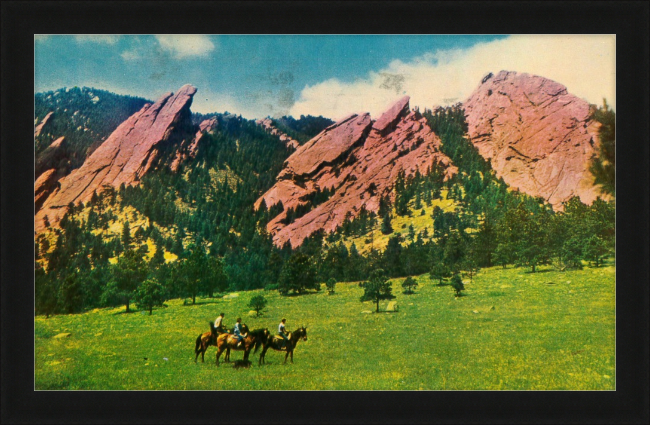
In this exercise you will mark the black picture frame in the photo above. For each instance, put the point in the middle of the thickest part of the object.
(628, 404)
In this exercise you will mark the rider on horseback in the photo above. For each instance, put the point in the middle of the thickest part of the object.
(238, 332)
(217, 329)
(282, 332)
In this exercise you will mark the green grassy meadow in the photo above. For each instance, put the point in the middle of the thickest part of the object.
(512, 330)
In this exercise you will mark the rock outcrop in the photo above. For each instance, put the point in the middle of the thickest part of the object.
(41, 126)
(357, 159)
(127, 154)
(537, 136)
(188, 149)
(267, 124)
(50, 157)
(43, 187)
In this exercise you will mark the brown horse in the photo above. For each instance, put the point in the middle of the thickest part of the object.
(227, 342)
(276, 343)
(207, 339)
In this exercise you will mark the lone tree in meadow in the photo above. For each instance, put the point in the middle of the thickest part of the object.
(439, 271)
(257, 303)
(377, 288)
(409, 284)
(150, 294)
(457, 284)
(331, 283)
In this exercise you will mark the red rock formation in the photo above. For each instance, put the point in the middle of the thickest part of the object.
(538, 137)
(43, 187)
(189, 149)
(39, 128)
(359, 160)
(50, 156)
(267, 124)
(126, 155)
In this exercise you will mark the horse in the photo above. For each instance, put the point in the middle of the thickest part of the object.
(227, 342)
(206, 339)
(275, 342)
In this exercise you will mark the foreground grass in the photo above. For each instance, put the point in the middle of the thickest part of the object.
(513, 330)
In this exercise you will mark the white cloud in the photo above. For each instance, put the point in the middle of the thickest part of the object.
(585, 64)
(97, 38)
(130, 55)
(185, 45)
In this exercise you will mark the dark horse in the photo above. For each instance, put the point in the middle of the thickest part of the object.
(207, 339)
(254, 338)
(276, 343)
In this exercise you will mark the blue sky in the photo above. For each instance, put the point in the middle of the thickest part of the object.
(260, 75)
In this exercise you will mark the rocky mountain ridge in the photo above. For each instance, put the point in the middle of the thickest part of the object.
(356, 159)
(126, 155)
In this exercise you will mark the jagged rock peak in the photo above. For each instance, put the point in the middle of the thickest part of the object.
(127, 154)
(389, 118)
(355, 159)
(538, 137)
(39, 128)
(267, 125)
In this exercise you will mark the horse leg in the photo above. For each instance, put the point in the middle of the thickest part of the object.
(291, 356)
(285, 357)
(219, 351)
(227, 356)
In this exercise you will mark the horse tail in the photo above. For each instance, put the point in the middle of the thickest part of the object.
(198, 344)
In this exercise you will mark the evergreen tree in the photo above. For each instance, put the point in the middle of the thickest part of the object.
(70, 294)
(257, 303)
(331, 283)
(595, 249)
(297, 275)
(126, 234)
(150, 294)
(439, 271)
(457, 284)
(128, 273)
(386, 227)
(603, 167)
(409, 284)
(377, 288)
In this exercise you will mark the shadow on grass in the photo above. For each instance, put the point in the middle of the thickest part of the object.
(539, 271)
(201, 302)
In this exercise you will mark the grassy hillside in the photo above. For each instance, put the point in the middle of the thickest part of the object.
(512, 330)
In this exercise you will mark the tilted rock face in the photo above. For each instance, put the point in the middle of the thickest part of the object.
(267, 124)
(538, 137)
(359, 160)
(189, 149)
(43, 186)
(126, 155)
(50, 156)
(40, 127)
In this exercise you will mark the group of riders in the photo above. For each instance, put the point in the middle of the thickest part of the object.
(238, 331)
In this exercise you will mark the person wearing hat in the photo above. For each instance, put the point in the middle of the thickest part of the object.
(283, 332)
(238, 332)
